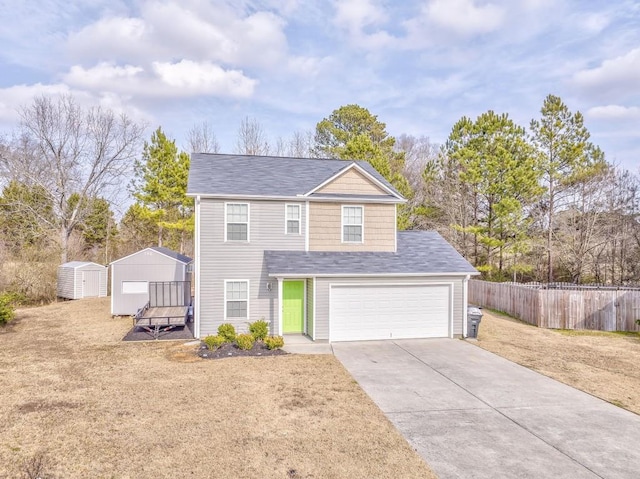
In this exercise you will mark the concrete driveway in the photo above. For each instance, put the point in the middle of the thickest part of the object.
(472, 414)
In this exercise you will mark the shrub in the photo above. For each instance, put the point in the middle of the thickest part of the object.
(214, 342)
(8, 302)
(245, 341)
(228, 332)
(259, 329)
(274, 342)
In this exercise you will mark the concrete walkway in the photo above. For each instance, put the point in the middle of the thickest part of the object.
(302, 344)
(472, 414)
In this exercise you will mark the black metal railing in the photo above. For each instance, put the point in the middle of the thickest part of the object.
(169, 293)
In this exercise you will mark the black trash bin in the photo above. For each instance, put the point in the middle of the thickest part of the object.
(474, 316)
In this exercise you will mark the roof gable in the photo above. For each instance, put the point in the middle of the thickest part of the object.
(353, 180)
(158, 250)
(80, 264)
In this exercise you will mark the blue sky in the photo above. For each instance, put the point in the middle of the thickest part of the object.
(419, 65)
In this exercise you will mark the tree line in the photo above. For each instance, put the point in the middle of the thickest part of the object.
(539, 203)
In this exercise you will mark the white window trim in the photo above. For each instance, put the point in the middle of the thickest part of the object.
(136, 291)
(286, 219)
(248, 298)
(248, 222)
(342, 225)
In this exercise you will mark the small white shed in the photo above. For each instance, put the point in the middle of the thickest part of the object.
(131, 275)
(82, 279)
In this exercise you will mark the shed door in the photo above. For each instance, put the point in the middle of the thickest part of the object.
(90, 284)
(368, 312)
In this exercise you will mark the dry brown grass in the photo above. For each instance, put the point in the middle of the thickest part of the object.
(603, 364)
(72, 393)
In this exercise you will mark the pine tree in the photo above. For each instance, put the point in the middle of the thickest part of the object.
(160, 187)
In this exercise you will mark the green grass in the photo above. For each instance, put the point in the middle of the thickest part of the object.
(508, 316)
(590, 332)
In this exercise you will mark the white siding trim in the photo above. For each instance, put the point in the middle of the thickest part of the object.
(279, 331)
(342, 223)
(306, 227)
(314, 308)
(196, 273)
(465, 301)
(304, 306)
(226, 203)
(112, 294)
(395, 229)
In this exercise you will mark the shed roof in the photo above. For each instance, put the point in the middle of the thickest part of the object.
(161, 250)
(79, 264)
(272, 176)
(418, 252)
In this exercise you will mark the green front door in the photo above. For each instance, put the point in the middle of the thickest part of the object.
(293, 307)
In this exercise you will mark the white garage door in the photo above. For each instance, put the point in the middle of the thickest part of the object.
(389, 312)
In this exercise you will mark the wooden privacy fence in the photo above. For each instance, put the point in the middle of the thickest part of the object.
(598, 309)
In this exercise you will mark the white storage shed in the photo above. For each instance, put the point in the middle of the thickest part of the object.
(82, 279)
(131, 275)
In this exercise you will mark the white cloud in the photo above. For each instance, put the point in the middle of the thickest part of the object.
(617, 78)
(464, 17)
(112, 34)
(193, 78)
(200, 31)
(354, 15)
(614, 112)
(103, 76)
(162, 79)
(362, 19)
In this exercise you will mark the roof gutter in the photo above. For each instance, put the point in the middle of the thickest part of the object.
(359, 275)
(354, 199)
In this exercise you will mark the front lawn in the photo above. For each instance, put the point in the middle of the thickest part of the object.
(90, 405)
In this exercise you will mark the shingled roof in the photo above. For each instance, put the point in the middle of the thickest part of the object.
(272, 176)
(418, 252)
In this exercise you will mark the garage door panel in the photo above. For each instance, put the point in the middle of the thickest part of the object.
(371, 312)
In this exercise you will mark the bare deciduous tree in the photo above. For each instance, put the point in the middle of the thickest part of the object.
(252, 140)
(301, 145)
(66, 149)
(202, 139)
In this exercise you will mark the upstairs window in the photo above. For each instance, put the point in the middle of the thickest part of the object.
(352, 224)
(293, 220)
(237, 299)
(237, 223)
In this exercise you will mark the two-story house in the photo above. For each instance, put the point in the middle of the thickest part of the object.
(311, 246)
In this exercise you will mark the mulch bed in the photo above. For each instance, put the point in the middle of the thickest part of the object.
(231, 350)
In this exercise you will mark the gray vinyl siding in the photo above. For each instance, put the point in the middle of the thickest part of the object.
(146, 265)
(309, 307)
(222, 260)
(70, 280)
(322, 297)
(66, 283)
